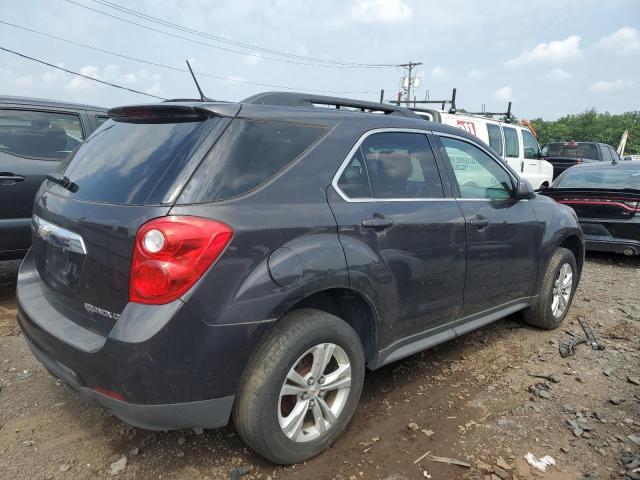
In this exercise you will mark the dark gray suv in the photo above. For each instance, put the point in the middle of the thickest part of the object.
(197, 261)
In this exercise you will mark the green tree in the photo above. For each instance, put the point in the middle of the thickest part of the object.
(592, 126)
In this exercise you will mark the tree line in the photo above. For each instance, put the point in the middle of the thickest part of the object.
(592, 126)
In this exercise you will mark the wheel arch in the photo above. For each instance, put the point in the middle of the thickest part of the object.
(575, 245)
(352, 307)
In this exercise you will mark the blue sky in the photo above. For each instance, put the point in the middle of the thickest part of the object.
(551, 57)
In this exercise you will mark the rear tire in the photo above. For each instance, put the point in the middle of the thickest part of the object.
(279, 383)
(556, 292)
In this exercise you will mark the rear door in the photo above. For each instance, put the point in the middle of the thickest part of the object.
(32, 144)
(503, 235)
(403, 239)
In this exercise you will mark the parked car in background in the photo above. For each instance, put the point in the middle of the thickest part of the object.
(606, 198)
(632, 157)
(514, 143)
(206, 259)
(35, 136)
(563, 155)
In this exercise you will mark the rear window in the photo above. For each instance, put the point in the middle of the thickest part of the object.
(607, 178)
(133, 163)
(572, 150)
(43, 135)
(249, 153)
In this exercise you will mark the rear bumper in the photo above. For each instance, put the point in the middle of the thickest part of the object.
(167, 368)
(612, 245)
(205, 413)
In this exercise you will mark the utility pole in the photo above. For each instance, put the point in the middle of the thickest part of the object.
(410, 79)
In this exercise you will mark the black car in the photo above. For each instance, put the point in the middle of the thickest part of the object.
(35, 136)
(202, 260)
(563, 155)
(606, 198)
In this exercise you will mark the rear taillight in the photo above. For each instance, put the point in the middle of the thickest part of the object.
(626, 205)
(171, 254)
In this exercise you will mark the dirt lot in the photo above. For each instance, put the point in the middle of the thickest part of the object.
(468, 399)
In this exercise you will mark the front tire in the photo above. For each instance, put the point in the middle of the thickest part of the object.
(556, 292)
(301, 387)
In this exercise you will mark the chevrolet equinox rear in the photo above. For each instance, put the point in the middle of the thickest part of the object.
(195, 262)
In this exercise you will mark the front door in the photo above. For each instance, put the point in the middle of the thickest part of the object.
(503, 234)
(404, 241)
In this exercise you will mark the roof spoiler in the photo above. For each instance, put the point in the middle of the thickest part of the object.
(172, 112)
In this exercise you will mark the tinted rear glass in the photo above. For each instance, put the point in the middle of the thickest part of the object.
(46, 135)
(131, 163)
(609, 178)
(248, 154)
(578, 150)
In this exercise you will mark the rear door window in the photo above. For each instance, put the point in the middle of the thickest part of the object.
(100, 119)
(495, 137)
(512, 146)
(530, 144)
(354, 181)
(39, 134)
(248, 154)
(401, 166)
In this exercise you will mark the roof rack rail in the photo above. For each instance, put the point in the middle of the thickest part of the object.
(290, 99)
(507, 115)
(452, 102)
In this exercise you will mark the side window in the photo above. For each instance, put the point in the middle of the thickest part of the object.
(249, 153)
(401, 165)
(100, 119)
(614, 154)
(354, 181)
(530, 144)
(495, 137)
(478, 174)
(512, 147)
(43, 135)
(606, 153)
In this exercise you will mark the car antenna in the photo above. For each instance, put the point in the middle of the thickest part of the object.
(202, 97)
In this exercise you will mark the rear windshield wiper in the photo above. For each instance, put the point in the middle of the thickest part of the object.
(63, 181)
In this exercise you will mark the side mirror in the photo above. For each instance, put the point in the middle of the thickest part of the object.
(524, 190)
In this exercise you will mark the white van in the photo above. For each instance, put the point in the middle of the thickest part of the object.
(514, 143)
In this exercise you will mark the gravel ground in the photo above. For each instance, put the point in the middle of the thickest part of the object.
(479, 399)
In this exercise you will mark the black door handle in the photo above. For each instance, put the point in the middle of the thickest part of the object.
(479, 222)
(10, 178)
(377, 223)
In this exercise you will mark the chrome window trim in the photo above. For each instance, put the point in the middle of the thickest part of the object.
(58, 236)
(354, 149)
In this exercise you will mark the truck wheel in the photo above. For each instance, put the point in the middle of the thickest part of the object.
(556, 292)
(301, 387)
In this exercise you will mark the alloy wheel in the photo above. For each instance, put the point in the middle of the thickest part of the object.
(314, 392)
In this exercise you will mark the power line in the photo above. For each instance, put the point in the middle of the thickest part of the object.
(80, 74)
(169, 67)
(228, 41)
(231, 50)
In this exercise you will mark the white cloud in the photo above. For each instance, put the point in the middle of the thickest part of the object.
(254, 59)
(438, 72)
(476, 74)
(235, 78)
(558, 74)
(302, 50)
(381, 11)
(622, 42)
(610, 85)
(504, 94)
(557, 51)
